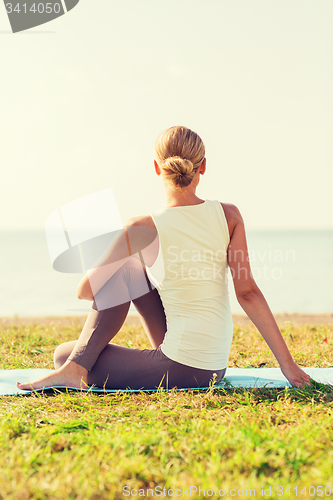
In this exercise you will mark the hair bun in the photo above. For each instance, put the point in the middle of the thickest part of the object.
(178, 165)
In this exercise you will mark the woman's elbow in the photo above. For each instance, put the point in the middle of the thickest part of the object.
(245, 290)
(84, 292)
(79, 294)
(246, 296)
(249, 294)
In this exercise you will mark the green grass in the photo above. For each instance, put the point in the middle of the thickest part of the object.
(88, 446)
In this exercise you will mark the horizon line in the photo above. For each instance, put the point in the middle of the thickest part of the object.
(324, 228)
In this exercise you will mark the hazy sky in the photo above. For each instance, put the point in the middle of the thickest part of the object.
(84, 97)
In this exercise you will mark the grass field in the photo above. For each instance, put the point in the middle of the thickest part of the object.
(267, 443)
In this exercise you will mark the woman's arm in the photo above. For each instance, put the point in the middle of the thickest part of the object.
(135, 241)
(113, 258)
(254, 304)
(84, 291)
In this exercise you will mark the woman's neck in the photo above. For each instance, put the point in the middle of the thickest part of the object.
(181, 198)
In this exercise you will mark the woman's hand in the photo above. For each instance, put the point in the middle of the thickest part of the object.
(295, 375)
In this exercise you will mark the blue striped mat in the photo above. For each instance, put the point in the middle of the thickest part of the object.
(235, 377)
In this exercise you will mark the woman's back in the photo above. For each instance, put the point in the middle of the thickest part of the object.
(190, 274)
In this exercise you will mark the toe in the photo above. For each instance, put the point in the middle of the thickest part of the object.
(23, 387)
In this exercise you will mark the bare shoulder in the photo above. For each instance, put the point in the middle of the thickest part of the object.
(141, 220)
(233, 216)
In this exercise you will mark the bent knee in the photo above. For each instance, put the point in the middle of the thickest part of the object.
(62, 353)
(133, 263)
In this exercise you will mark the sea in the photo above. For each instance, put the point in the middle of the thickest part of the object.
(293, 269)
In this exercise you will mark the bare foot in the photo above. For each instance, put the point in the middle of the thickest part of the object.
(70, 374)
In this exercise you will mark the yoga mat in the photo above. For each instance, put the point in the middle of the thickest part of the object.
(235, 377)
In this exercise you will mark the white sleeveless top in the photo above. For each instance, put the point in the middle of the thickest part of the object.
(190, 274)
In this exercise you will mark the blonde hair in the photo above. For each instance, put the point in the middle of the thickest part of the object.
(179, 153)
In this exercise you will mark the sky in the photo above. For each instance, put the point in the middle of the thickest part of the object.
(85, 96)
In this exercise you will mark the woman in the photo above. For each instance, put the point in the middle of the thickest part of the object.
(189, 322)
